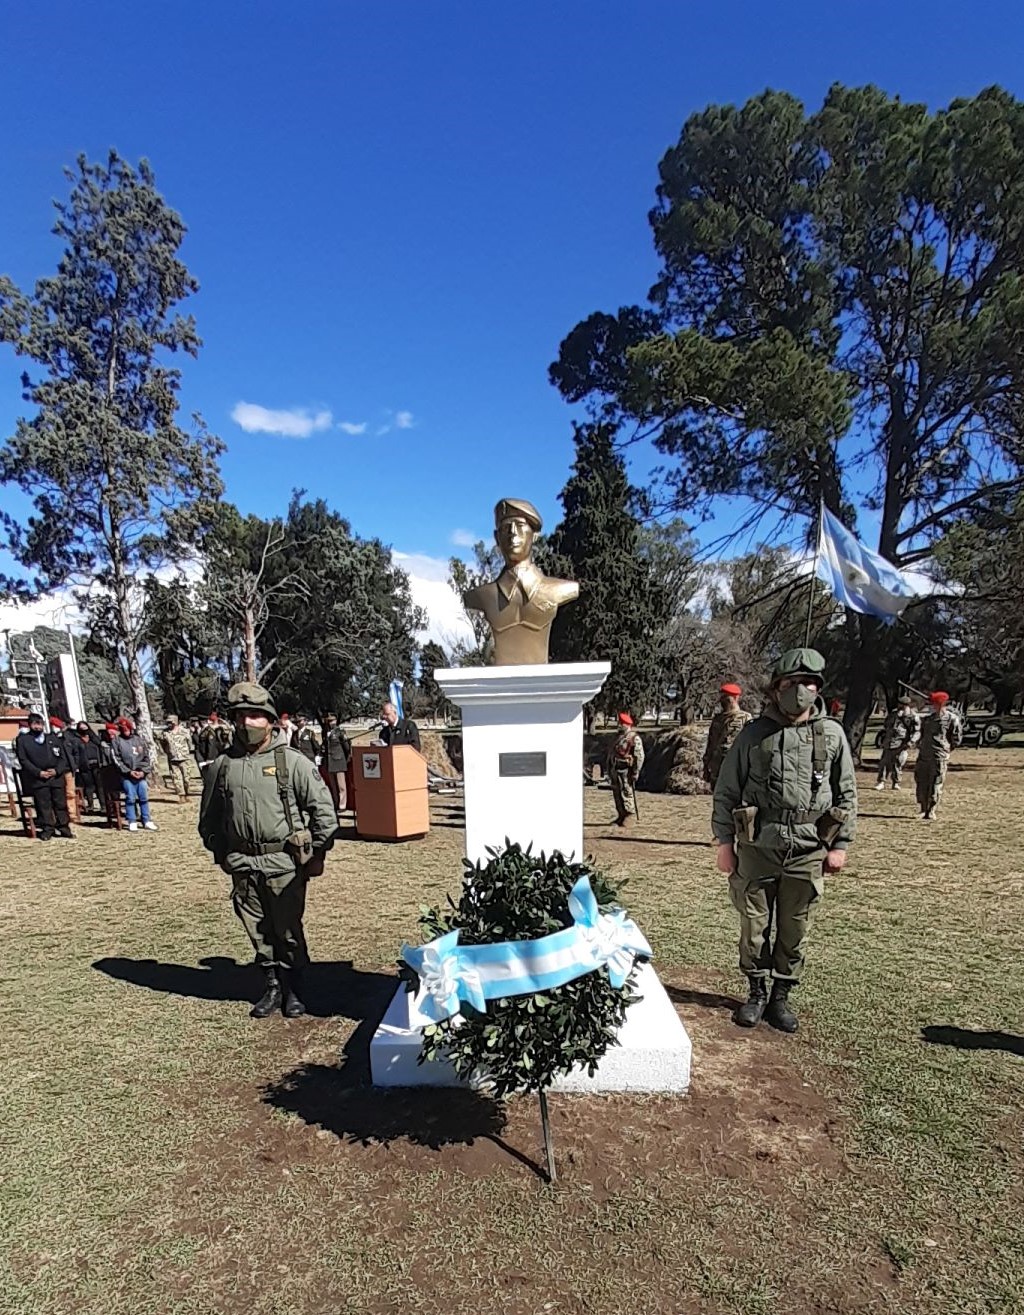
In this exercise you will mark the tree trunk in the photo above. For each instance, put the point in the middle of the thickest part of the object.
(249, 641)
(863, 680)
(133, 667)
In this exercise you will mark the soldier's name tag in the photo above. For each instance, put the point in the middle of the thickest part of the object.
(270, 771)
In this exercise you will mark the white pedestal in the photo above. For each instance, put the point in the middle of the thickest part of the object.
(526, 720)
(653, 1053)
(522, 749)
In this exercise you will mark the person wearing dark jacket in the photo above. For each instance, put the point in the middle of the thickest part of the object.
(43, 762)
(132, 759)
(337, 751)
(86, 757)
(398, 730)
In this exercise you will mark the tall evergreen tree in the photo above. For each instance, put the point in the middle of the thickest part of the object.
(840, 293)
(107, 467)
(623, 604)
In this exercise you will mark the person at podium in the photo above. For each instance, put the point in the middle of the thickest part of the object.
(398, 730)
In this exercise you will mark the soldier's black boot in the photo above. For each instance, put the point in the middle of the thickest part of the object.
(779, 1013)
(293, 1006)
(750, 1013)
(270, 999)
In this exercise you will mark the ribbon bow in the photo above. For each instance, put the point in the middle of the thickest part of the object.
(451, 974)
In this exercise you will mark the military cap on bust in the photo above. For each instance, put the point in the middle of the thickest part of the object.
(249, 697)
(517, 507)
(905, 701)
(799, 662)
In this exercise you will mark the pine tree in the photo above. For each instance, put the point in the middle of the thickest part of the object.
(623, 604)
(108, 469)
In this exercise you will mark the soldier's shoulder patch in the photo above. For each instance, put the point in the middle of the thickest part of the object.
(270, 771)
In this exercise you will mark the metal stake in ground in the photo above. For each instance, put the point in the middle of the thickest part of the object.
(545, 1124)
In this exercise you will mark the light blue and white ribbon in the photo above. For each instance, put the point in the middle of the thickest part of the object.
(395, 696)
(451, 974)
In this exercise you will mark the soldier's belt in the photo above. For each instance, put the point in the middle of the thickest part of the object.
(791, 816)
(239, 846)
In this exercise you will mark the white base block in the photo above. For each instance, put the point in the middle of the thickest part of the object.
(653, 1053)
(528, 711)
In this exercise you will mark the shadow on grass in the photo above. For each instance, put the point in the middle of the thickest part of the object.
(681, 995)
(964, 1039)
(341, 1102)
(631, 838)
(330, 990)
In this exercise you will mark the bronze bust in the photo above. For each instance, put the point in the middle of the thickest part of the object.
(521, 604)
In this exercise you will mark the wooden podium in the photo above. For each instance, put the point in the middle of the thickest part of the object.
(391, 799)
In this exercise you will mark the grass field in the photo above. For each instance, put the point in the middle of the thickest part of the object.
(161, 1153)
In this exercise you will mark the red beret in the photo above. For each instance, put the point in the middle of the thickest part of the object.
(123, 724)
(939, 696)
(110, 726)
(734, 690)
(57, 723)
(625, 719)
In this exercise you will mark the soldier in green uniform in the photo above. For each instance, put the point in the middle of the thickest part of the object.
(941, 732)
(268, 819)
(726, 724)
(625, 763)
(900, 733)
(784, 813)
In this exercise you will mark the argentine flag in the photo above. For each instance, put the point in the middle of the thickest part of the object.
(859, 578)
(395, 696)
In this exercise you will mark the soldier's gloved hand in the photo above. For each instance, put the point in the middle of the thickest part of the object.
(315, 866)
(725, 859)
(835, 860)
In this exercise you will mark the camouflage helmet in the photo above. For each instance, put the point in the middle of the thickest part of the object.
(249, 697)
(800, 662)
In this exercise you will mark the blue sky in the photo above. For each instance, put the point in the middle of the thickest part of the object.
(397, 210)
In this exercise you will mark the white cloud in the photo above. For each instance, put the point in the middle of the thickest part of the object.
(404, 420)
(58, 610)
(428, 584)
(464, 538)
(350, 428)
(298, 422)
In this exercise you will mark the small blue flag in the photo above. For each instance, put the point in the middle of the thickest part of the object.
(395, 696)
(860, 579)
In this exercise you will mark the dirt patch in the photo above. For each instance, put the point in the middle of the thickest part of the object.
(749, 1106)
(752, 1123)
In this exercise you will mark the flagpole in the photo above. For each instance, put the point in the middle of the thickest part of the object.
(814, 576)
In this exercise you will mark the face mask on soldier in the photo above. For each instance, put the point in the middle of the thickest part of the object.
(796, 699)
(251, 736)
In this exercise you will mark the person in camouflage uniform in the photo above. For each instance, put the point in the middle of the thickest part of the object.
(726, 724)
(268, 819)
(625, 761)
(784, 813)
(176, 743)
(901, 732)
(941, 732)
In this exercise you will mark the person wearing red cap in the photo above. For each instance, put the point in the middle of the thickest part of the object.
(625, 759)
(726, 724)
(941, 732)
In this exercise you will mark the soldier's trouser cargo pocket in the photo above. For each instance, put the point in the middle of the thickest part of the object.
(786, 901)
(271, 909)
